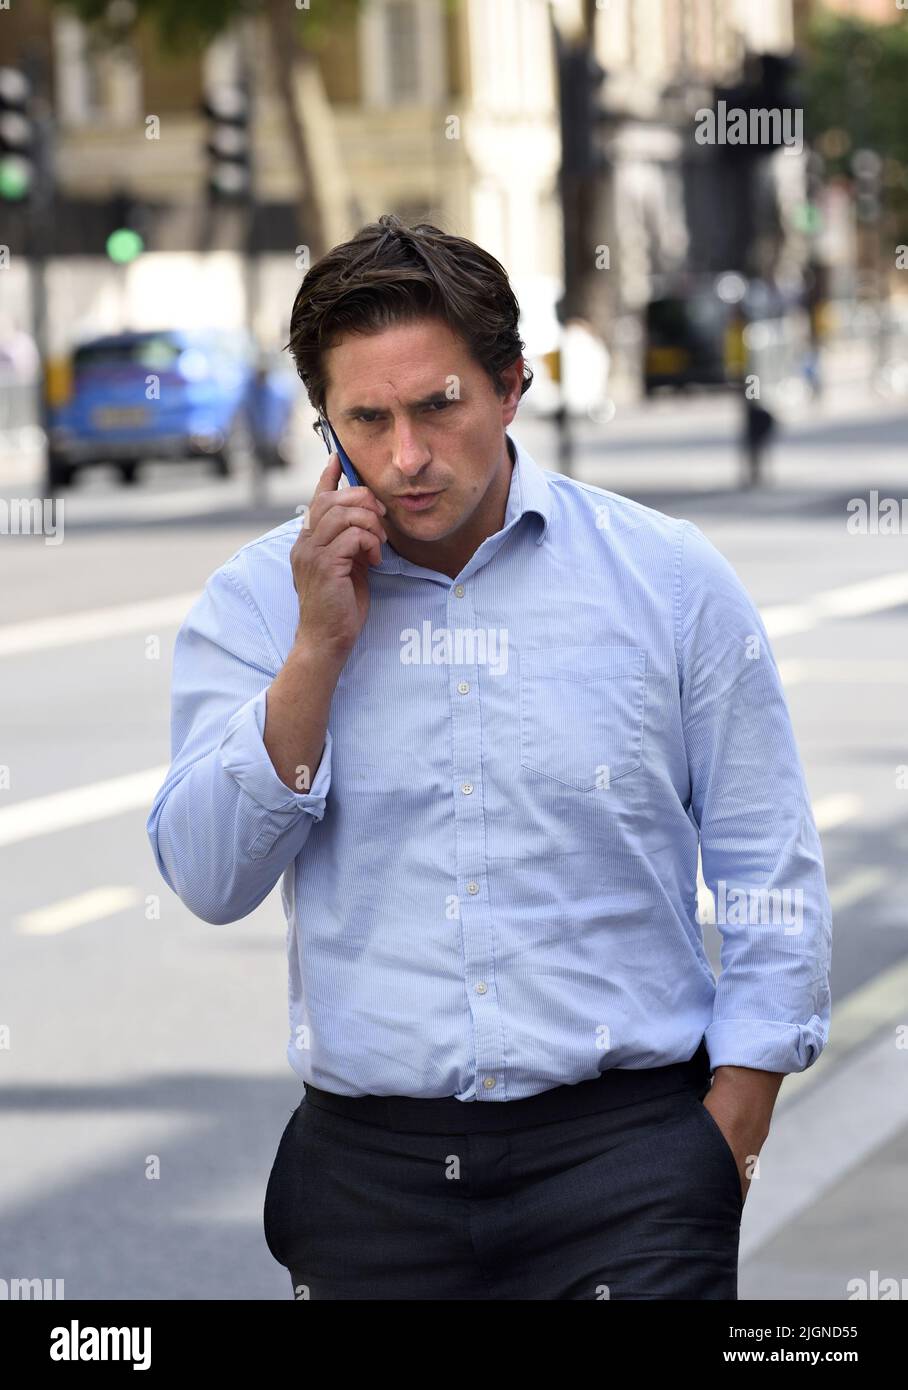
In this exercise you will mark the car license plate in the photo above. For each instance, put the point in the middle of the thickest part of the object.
(119, 417)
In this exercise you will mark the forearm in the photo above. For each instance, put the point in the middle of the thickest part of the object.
(225, 825)
(747, 1091)
(298, 706)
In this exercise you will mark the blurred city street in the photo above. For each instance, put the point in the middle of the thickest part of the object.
(198, 1011)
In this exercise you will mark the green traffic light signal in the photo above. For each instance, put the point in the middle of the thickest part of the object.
(15, 178)
(808, 218)
(124, 245)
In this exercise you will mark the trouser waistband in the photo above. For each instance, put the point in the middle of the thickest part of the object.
(614, 1087)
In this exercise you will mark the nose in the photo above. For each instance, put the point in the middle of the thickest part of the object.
(411, 454)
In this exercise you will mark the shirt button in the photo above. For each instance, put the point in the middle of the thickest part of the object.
(463, 687)
(459, 590)
(482, 987)
(467, 788)
(489, 1082)
(472, 887)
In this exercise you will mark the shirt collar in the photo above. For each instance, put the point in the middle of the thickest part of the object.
(529, 492)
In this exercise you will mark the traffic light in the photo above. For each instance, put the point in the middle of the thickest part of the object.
(228, 144)
(769, 83)
(126, 239)
(580, 78)
(17, 166)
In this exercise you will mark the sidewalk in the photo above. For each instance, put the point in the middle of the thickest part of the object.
(829, 1206)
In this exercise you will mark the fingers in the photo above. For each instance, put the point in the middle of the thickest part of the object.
(326, 496)
(329, 477)
(362, 497)
(338, 519)
(354, 541)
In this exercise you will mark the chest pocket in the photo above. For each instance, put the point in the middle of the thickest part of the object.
(581, 713)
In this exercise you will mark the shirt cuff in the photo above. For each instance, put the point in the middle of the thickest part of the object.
(244, 755)
(765, 1045)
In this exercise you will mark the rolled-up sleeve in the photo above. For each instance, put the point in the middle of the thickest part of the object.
(759, 845)
(223, 826)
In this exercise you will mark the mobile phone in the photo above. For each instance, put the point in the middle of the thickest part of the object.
(334, 446)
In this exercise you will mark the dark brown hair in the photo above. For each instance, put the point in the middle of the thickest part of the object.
(390, 273)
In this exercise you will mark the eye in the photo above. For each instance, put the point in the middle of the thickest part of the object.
(368, 417)
(439, 405)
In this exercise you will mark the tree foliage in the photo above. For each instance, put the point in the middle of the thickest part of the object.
(856, 81)
(188, 25)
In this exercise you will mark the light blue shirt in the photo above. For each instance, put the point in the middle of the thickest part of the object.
(491, 883)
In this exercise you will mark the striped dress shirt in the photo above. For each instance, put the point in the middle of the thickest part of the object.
(490, 880)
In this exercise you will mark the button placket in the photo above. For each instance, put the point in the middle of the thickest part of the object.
(470, 834)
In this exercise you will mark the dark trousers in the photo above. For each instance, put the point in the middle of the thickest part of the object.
(621, 1187)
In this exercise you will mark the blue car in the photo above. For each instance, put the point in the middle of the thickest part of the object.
(167, 395)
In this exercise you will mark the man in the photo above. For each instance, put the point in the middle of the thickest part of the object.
(479, 716)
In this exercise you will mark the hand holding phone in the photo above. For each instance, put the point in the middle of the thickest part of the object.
(330, 558)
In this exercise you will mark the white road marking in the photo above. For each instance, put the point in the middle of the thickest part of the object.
(832, 811)
(42, 815)
(61, 1146)
(851, 601)
(828, 812)
(830, 1131)
(94, 624)
(793, 672)
(857, 672)
(861, 1014)
(706, 903)
(61, 916)
(856, 886)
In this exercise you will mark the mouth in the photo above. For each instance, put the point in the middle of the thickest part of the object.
(417, 501)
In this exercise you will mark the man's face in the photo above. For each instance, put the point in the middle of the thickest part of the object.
(416, 413)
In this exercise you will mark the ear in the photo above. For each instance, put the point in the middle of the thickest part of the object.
(512, 376)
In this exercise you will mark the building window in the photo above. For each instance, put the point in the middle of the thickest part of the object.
(78, 96)
(402, 52)
(401, 57)
(93, 85)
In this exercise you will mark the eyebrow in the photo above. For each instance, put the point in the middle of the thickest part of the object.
(434, 396)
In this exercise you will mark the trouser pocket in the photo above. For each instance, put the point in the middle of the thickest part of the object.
(721, 1144)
